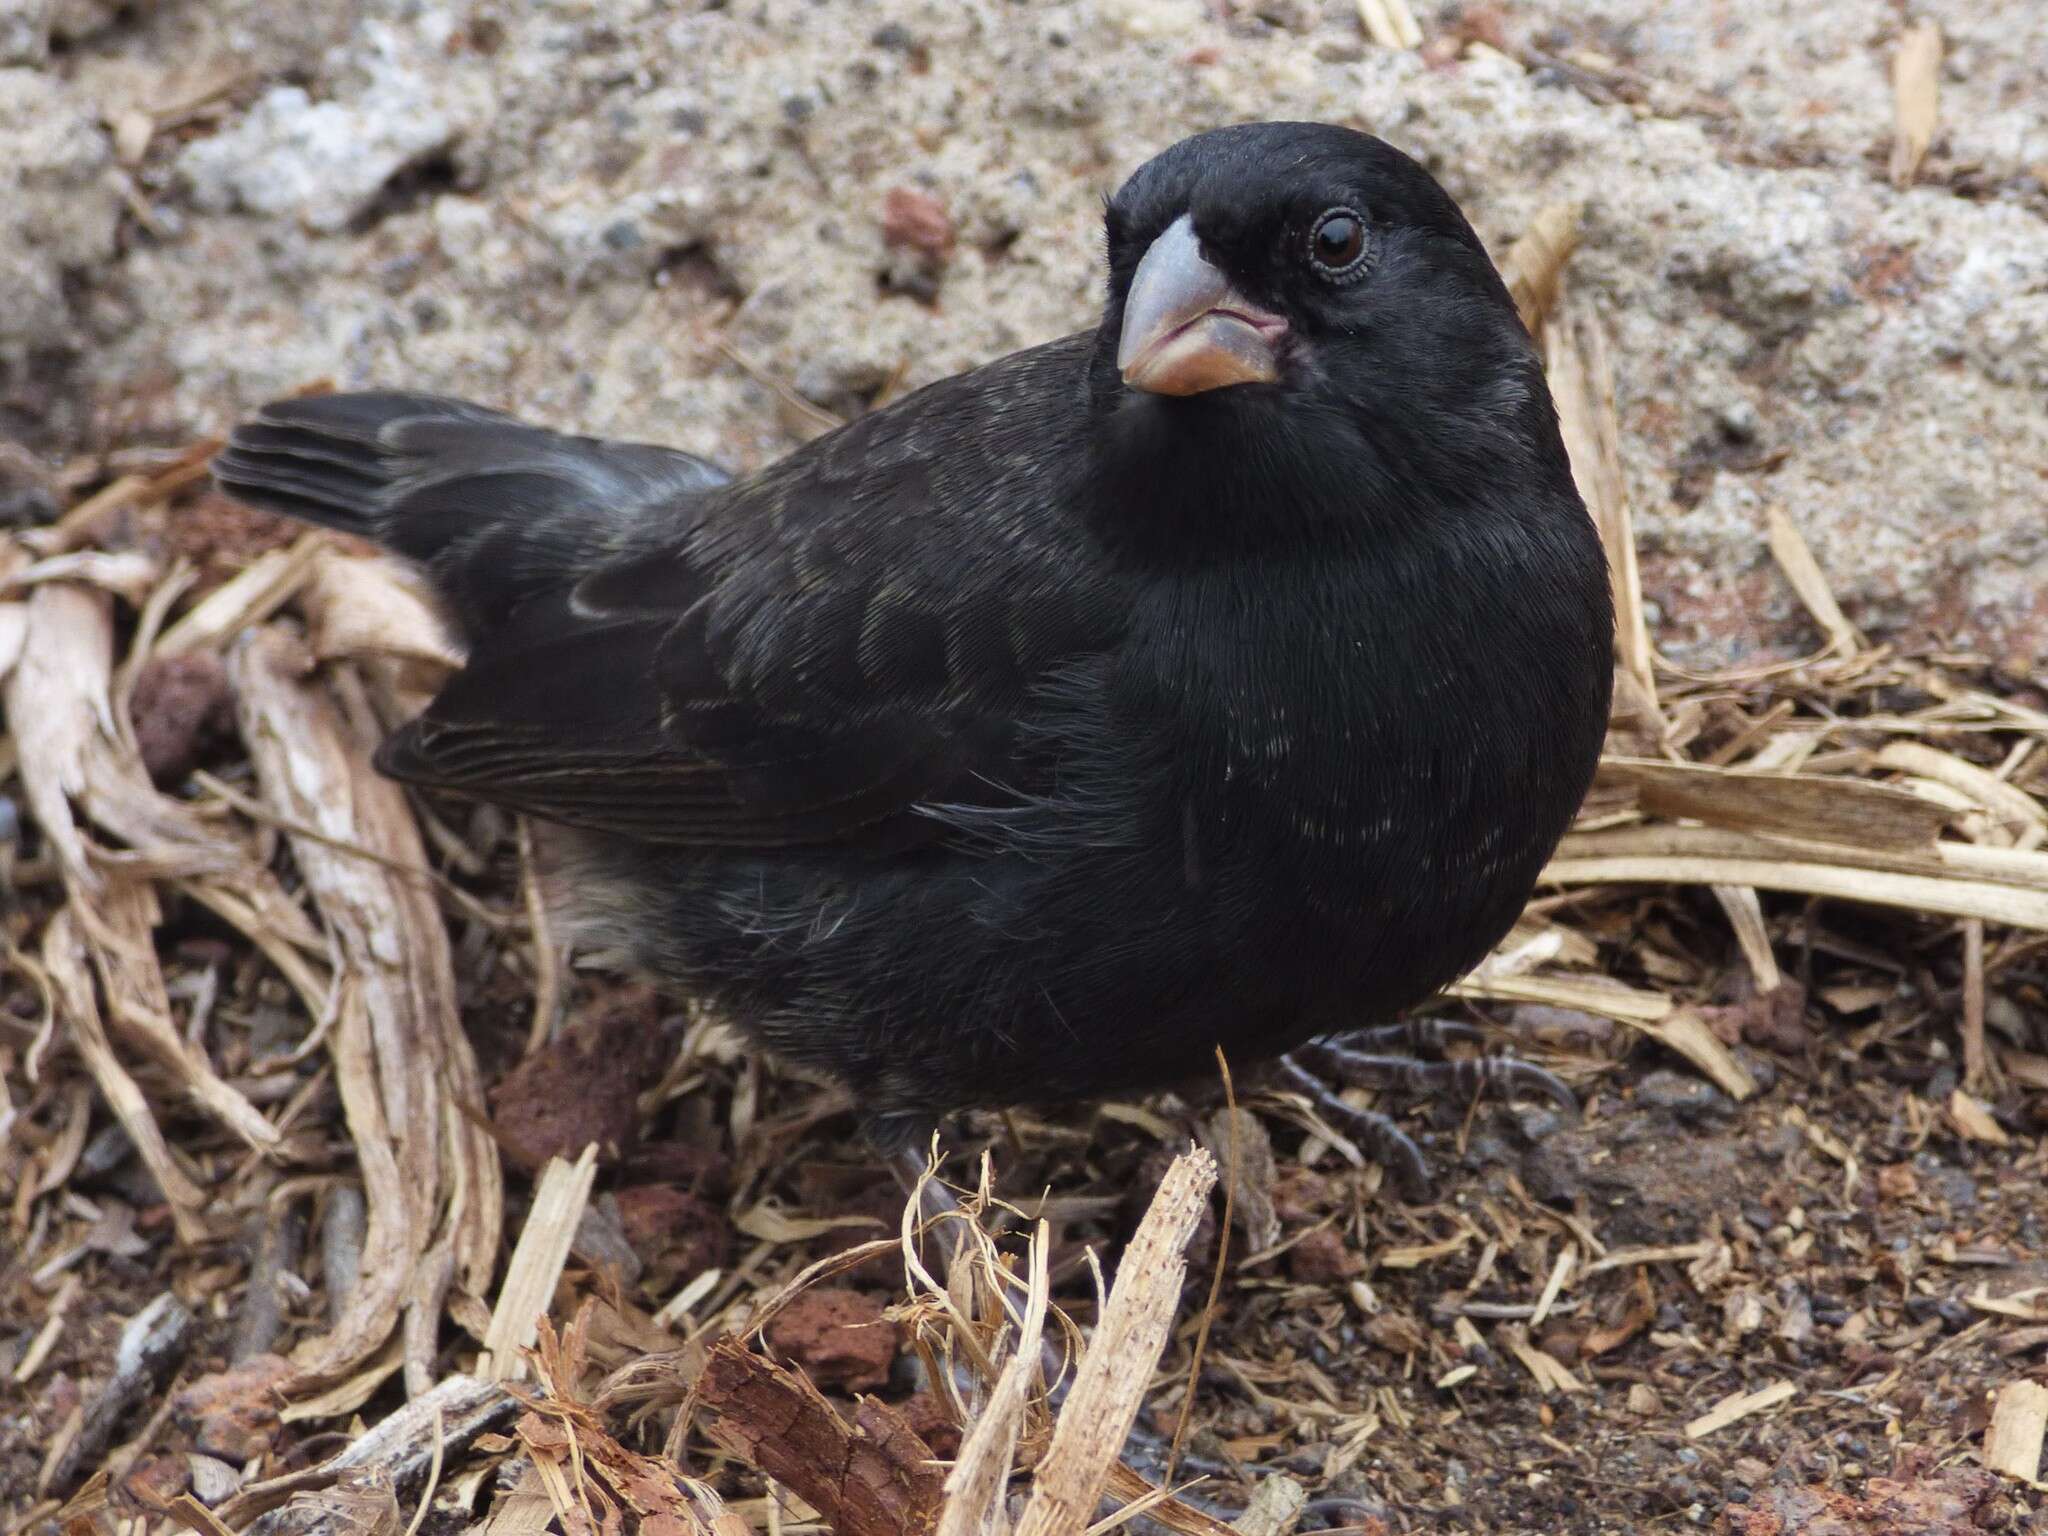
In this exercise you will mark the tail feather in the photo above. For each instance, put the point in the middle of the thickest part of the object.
(494, 510)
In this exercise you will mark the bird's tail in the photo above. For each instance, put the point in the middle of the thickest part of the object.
(494, 510)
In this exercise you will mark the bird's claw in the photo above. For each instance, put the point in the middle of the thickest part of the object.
(1369, 1069)
(1363, 1059)
(1378, 1137)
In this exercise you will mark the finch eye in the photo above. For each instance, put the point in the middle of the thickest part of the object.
(1337, 243)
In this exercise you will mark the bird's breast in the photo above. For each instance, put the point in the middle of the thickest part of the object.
(1341, 760)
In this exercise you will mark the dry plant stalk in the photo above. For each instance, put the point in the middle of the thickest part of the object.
(1795, 558)
(406, 1072)
(1109, 1387)
(977, 1487)
(1916, 98)
(359, 607)
(2000, 885)
(1857, 813)
(1582, 382)
(64, 960)
(81, 757)
(1533, 266)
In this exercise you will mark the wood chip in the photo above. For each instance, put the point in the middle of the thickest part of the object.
(1415, 1255)
(1737, 1406)
(1274, 1509)
(361, 607)
(345, 1397)
(1746, 916)
(1110, 1384)
(13, 632)
(1973, 1121)
(455, 1412)
(559, 1196)
(2019, 1421)
(249, 597)
(1389, 23)
(1550, 1373)
(1560, 1273)
(1916, 98)
(878, 1483)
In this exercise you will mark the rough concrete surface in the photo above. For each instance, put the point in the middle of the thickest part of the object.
(670, 220)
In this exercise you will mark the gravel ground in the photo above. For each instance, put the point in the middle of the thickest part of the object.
(719, 226)
(636, 218)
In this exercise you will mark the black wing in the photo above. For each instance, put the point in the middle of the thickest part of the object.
(817, 649)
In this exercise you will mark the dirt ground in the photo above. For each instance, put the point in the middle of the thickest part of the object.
(1784, 1274)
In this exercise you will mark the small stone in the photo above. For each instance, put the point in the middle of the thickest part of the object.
(157, 1483)
(321, 162)
(1321, 1258)
(213, 1480)
(934, 1425)
(1396, 1332)
(182, 708)
(1689, 1098)
(839, 1337)
(917, 220)
(583, 1086)
(1560, 1026)
(660, 1220)
(1896, 1181)
(233, 1414)
(1738, 421)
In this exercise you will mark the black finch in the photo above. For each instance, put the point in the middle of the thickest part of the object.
(1221, 675)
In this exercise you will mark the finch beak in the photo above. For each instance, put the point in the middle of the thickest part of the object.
(1186, 330)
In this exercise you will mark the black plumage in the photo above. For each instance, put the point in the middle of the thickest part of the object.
(1220, 676)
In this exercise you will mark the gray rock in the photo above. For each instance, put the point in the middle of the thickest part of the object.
(645, 188)
(24, 32)
(62, 203)
(321, 163)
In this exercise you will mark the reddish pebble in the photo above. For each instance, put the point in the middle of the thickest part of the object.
(233, 1414)
(1321, 1258)
(182, 707)
(838, 1337)
(914, 219)
(582, 1087)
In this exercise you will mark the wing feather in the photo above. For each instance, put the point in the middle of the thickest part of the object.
(822, 648)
